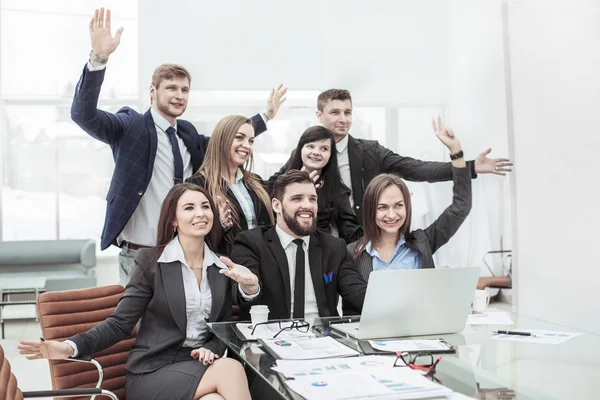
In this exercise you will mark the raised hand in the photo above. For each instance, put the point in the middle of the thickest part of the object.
(103, 42)
(275, 100)
(314, 175)
(224, 213)
(204, 355)
(49, 349)
(497, 166)
(446, 136)
(242, 275)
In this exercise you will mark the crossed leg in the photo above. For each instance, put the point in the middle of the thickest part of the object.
(224, 379)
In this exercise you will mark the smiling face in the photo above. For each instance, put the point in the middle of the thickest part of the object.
(297, 211)
(337, 117)
(170, 98)
(391, 211)
(194, 216)
(316, 155)
(242, 146)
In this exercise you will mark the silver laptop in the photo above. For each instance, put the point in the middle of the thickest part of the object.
(414, 302)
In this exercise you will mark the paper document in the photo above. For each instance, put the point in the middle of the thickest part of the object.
(379, 383)
(296, 368)
(306, 349)
(489, 318)
(409, 345)
(267, 331)
(539, 336)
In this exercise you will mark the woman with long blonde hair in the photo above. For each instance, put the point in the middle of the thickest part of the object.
(225, 173)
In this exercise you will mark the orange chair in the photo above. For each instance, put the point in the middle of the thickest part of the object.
(66, 313)
(9, 389)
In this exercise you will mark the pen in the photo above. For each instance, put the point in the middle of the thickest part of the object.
(514, 333)
(42, 339)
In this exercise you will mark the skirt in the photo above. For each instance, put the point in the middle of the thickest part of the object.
(177, 381)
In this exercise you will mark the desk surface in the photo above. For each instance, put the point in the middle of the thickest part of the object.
(482, 368)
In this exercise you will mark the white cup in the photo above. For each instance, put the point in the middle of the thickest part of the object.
(481, 300)
(259, 314)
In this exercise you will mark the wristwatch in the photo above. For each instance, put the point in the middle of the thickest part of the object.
(458, 155)
(97, 58)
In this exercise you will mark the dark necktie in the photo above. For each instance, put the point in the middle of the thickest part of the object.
(299, 281)
(177, 160)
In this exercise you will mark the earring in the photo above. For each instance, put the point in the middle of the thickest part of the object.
(174, 230)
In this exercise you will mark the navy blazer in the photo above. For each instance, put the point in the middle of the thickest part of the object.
(132, 138)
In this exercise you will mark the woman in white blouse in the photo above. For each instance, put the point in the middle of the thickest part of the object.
(176, 288)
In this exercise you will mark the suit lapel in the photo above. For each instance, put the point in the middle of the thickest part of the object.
(217, 284)
(279, 254)
(356, 169)
(243, 223)
(153, 143)
(316, 272)
(172, 280)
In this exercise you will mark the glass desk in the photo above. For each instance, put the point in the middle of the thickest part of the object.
(481, 367)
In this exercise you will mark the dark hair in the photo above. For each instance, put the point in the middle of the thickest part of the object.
(372, 233)
(284, 180)
(330, 174)
(168, 211)
(332, 94)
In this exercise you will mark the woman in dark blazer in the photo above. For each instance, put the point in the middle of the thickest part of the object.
(388, 242)
(316, 152)
(242, 198)
(175, 288)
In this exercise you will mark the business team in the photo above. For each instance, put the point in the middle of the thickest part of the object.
(175, 236)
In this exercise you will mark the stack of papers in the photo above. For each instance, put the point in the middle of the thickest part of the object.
(315, 368)
(306, 349)
(489, 318)
(431, 345)
(539, 336)
(374, 383)
(267, 331)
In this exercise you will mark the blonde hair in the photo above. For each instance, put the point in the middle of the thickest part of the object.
(217, 161)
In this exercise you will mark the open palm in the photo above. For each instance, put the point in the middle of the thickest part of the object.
(103, 42)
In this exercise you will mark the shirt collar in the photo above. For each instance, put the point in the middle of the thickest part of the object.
(239, 175)
(342, 145)
(160, 121)
(373, 252)
(286, 239)
(173, 252)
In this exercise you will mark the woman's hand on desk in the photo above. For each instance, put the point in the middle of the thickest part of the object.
(204, 356)
(50, 349)
(243, 276)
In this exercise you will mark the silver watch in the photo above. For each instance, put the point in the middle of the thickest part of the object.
(97, 58)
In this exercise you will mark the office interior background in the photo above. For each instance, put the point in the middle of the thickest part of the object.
(519, 76)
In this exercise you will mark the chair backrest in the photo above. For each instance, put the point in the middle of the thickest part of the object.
(8, 382)
(66, 313)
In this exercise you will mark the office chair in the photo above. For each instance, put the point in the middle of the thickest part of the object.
(9, 389)
(66, 313)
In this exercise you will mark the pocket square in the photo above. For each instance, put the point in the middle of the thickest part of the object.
(329, 277)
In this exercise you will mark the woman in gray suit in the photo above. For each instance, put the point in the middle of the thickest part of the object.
(176, 288)
(388, 242)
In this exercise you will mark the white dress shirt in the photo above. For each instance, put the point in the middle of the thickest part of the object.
(311, 310)
(344, 165)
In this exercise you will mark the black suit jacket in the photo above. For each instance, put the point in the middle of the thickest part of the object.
(261, 211)
(260, 250)
(156, 294)
(133, 141)
(368, 159)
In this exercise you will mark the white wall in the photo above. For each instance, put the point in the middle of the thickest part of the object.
(555, 62)
(388, 51)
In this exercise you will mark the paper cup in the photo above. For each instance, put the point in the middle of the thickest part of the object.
(259, 314)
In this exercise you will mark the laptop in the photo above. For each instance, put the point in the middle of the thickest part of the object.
(414, 302)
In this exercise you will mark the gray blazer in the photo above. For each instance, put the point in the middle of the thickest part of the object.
(156, 294)
(427, 241)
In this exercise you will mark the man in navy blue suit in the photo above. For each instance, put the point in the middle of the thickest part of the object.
(152, 151)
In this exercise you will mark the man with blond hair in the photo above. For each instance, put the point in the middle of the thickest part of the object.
(152, 151)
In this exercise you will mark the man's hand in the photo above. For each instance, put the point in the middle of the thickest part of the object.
(275, 100)
(103, 43)
(497, 166)
(247, 280)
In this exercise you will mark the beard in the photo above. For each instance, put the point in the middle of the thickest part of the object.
(298, 228)
(163, 106)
